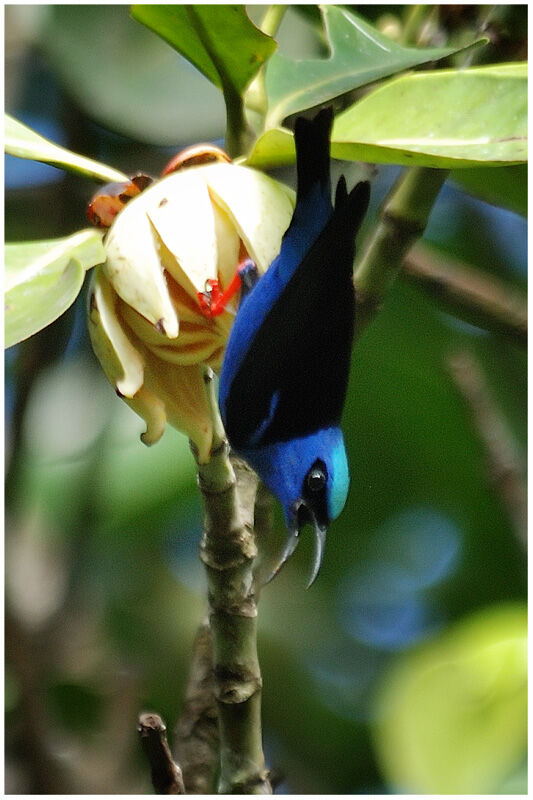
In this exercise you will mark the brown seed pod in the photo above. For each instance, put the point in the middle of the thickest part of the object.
(194, 156)
(111, 198)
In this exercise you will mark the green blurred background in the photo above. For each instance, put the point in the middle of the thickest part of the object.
(403, 668)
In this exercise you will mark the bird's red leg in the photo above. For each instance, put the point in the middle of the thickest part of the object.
(229, 292)
(213, 302)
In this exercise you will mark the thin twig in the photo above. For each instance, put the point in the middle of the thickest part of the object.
(469, 293)
(505, 462)
(415, 17)
(196, 741)
(166, 775)
(273, 18)
(403, 219)
(255, 98)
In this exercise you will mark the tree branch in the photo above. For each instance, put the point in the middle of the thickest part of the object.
(505, 462)
(166, 775)
(227, 551)
(197, 741)
(402, 221)
(469, 293)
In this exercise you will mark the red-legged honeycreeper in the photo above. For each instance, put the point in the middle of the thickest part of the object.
(285, 371)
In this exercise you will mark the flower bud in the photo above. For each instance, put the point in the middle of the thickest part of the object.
(146, 321)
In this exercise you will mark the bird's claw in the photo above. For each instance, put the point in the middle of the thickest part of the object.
(249, 275)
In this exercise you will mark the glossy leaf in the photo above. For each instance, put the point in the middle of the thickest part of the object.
(444, 118)
(43, 278)
(138, 86)
(360, 54)
(24, 142)
(220, 40)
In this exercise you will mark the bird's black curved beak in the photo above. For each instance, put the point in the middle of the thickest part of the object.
(290, 547)
(320, 539)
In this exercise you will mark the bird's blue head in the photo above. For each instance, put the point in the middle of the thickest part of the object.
(309, 475)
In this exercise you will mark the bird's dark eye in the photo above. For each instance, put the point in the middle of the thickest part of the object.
(316, 479)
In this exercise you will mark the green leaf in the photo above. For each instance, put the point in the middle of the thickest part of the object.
(360, 54)
(220, 40)
(445, 118)
(138, 86)
(43, 278)
(275, 148)
(23, 142)
(451, 714)
(505, 187)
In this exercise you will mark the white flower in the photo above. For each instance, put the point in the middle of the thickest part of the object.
(146, 321)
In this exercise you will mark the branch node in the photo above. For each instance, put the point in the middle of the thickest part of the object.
(240, 607)
(221, 554)
(403, 227)
(235, 685)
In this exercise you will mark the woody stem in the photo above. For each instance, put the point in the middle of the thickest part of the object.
(227, 551)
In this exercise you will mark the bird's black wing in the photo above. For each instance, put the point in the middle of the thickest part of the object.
(294, 376)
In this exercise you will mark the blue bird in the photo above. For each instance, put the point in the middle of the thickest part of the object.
(285, 371)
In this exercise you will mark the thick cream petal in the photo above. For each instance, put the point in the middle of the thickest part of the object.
(134, 268)
(260, 209)
(120, 360)
(187, 308)
(151, 408)
(196, 352)
(147, 333)
(228, 245)
(182, 390)
(196, 343)
(183, 220)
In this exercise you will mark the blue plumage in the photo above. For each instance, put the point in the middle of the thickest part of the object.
(285, 372)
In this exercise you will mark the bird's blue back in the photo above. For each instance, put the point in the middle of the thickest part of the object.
(285, 371)
(312, 211)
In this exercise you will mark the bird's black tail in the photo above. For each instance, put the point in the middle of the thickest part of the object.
(312, 152)
(352, 207)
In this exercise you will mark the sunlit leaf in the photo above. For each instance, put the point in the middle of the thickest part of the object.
(444, 118)
(43, 278)
(23, 142)
(275, 148)
(447, 117)
(220, 40)
(452, 714)
(360, 54)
